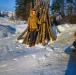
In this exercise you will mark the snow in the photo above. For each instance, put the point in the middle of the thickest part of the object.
(6, 30)
(52, 59)
(63, 27)
(20, 28)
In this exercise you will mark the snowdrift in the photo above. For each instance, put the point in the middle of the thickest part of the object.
(63, 27)
(6, 30)
(20, 28)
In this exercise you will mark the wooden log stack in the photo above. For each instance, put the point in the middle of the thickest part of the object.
(45, 32)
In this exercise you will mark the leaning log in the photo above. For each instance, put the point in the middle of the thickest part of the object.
(21, 35)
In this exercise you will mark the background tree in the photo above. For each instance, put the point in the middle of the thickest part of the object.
(57, 5)
(23, 8)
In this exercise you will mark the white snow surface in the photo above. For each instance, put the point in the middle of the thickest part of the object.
(52, 59)
(63, 27)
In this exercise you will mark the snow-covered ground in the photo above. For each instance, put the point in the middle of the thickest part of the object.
(53, 59)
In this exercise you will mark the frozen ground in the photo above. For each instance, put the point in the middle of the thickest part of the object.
(53, 59)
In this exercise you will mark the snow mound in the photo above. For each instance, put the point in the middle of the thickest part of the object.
(5, 31)
(63, 27)
(20, 28)
(6, 21)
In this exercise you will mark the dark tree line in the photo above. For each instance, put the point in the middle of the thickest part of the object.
(23, 8)
(57, 5)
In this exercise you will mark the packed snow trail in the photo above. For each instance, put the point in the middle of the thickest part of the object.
(53, 59)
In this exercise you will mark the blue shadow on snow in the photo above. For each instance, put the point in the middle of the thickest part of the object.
(71, 67)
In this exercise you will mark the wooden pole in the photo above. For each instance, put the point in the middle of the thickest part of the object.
(20, 36)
